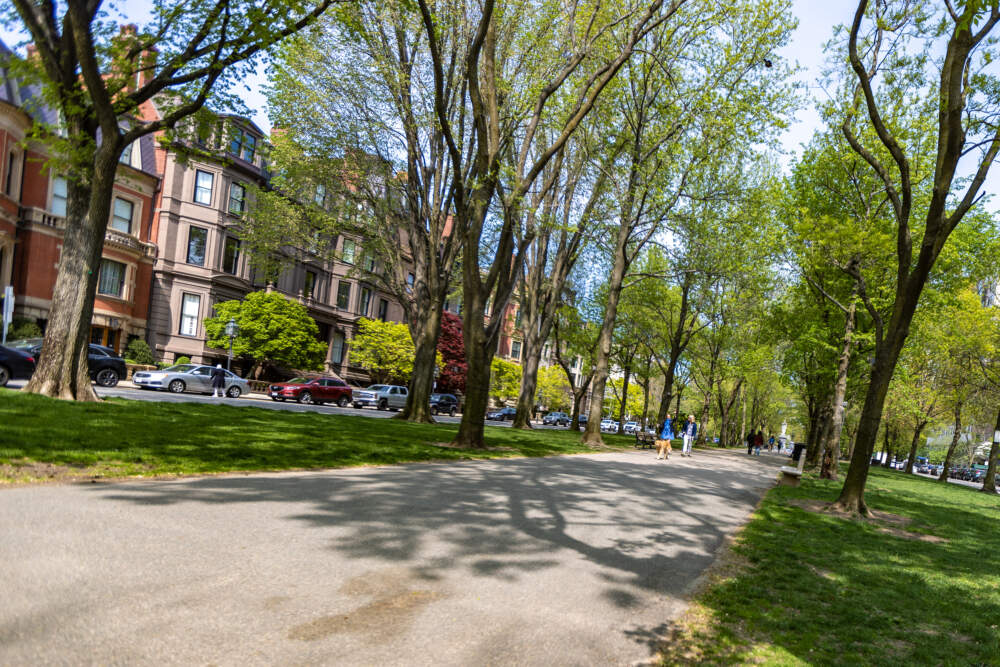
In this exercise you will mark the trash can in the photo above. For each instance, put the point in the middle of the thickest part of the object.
(797, 450)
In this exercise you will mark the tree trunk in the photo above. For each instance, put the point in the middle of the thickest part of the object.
(816, 429)
(886, 448)
(914, 444)
(529, 382)
(592, 434)
(989, 483)
(954, 443)
(477, 390)
(623, 407)
(830, 442)
(743, 419)
(425, 332)
(680, 392)
(645, 401)
(62, 370)
(705, 407)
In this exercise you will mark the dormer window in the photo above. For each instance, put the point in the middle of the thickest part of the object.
(130, 155)
(244, 145)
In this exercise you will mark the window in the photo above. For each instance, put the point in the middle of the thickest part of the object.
(243, 145)
(343, 294)
(337, 348)
(60, 195)
(190, 305)
(203, 181)
(366, 299)
(12, 176)
(112, 279)
(121, 216)
(368, 262)
(517, 318)
(310, 285)
(130, 155)
(320, 196)
(237, 196)
(231, 255)
(515, 349)
(348, 251)
(383, 309)
(410, 278)
(197, 240)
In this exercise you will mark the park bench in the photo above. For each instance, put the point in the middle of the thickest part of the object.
(792, 476)
(644, 440)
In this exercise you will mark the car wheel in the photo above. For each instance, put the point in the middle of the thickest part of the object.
(357, 406)
(434, 410)
(4, 376)
(305, 397)
(234, 392)
(176, 386)
(451, 413)
(107, 377)
(383, 404)
(342, 401)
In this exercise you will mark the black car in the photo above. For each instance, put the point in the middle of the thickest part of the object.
(444, 403)
(106, 368)
(504, 414)
(15, 365)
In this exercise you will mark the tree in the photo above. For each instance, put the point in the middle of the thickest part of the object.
(139, 352)
(505, 380)
(192, 52)
(384, 349)
(553, 388)
(452, 352)
(965, 98)
(272, 329)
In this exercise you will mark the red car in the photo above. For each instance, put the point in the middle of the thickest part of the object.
(312, 390)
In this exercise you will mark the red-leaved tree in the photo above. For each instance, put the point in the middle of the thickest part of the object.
(452, 348)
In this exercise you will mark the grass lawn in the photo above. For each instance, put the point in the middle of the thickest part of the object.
(807, 587)
(42, 438)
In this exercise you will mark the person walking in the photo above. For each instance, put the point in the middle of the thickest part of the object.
(689, 431)
(758, 442)
(770, 444)
(218, 382)
(666, 435)
(750, 439)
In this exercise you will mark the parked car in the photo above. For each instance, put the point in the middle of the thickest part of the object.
(15, 365)
(312, 390)
(447, 403)
(104, 365)
(609, 425)
(504, 414)
(556, 419)
(630, 427)
(381, 396)
(582, 419)
(189, 377)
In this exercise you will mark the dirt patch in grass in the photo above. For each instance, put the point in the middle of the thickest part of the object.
(20, 473)
(884, 522)
(450, 445)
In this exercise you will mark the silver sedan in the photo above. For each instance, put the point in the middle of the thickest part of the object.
(189, 377)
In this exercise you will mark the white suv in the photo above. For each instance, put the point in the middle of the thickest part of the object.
(381, 396)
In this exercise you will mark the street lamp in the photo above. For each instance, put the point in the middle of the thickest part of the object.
(232, 330)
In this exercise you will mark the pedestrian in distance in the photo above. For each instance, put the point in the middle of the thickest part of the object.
(758, 442)
(218, 382)
(663, 447)
(750, 439)
(689, 431)
(770, 444)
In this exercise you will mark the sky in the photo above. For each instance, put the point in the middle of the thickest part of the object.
(816, 22)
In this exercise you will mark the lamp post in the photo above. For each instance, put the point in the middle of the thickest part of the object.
(232, 330)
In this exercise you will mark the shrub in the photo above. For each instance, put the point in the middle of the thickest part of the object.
(21, 327)
(138, 351)
(182, 360)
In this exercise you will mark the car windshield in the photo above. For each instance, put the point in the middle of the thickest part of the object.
(377, 387)
(299, 381)
(435, 397)
(180, 368)
(24, 343)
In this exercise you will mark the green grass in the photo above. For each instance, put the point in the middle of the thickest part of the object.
(121, 438)
(814, 588)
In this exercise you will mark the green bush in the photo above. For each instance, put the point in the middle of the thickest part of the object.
(21, 327)
(183, 360)
(138, 352)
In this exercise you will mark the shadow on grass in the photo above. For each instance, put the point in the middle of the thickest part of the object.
(824, 590)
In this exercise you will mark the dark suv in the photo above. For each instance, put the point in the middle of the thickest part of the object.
(444, 403)
(312, 390)
(15, 365)
(105, 367)
(504, 414)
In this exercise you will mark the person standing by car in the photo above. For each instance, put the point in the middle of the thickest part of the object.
(666, 435)
(689, 431)
(218, 382)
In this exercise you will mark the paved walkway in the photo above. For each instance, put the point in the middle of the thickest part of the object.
(563, 560)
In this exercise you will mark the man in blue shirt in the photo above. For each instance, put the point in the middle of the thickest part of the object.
(689, 431)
